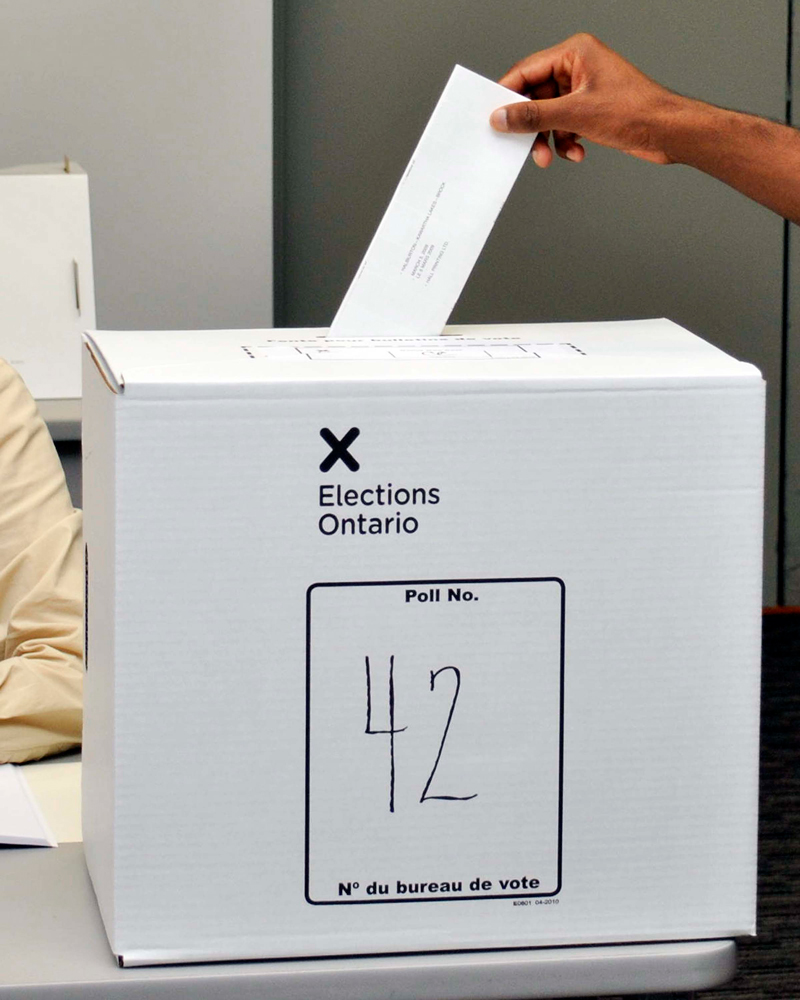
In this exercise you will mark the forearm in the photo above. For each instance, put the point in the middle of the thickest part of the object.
(40, 706)
(758, 157)
(41, 586)
(41, 645)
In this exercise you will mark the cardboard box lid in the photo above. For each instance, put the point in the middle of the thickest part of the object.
(67, 168)
(655, 352)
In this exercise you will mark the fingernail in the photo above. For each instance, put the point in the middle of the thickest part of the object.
(574, 155)
(499, 120)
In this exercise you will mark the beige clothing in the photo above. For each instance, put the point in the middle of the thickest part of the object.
(41, 586)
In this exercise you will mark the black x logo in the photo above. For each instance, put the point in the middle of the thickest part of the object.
(339, 449)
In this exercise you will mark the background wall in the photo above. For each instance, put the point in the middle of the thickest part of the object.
(611, 238)
(167, 105)
(789, 541)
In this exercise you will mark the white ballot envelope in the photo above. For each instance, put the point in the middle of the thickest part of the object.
(439, 217)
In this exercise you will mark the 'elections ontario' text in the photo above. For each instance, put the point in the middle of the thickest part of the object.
(372, 522)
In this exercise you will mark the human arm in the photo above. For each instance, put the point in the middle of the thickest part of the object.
(41, 587)
(583, 89)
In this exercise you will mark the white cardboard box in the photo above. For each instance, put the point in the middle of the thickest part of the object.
(46, 276)
(400, 646)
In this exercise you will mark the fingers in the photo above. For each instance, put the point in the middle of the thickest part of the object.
(574, 153)
(535, 116)
(519, 80)
(536, 68)
(568, 147)
(541, 152)
(516, 118)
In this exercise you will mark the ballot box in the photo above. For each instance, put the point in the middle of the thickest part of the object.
(404, 645)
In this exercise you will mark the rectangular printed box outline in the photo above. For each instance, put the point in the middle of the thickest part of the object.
(408, 583)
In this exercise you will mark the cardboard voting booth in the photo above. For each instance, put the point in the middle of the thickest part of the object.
(418, 645)
(46, 277)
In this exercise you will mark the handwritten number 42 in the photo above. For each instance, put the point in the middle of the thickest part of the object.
(391, 732)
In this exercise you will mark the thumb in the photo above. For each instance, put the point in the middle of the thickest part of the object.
(537, 116)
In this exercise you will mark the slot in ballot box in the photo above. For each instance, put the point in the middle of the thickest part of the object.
(402, 646)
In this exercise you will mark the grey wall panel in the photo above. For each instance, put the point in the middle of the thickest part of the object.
(791, 483)
(612, 237)
(168, 106)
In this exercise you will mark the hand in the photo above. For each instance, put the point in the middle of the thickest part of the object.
(581, 88)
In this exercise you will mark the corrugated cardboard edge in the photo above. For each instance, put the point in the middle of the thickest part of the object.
(99, 787)
(108, 376)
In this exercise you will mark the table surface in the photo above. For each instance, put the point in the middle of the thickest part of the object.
(54, 945)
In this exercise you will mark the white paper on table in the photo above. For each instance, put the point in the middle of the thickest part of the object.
(439, 217)
(56, 786)
(21, 820)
